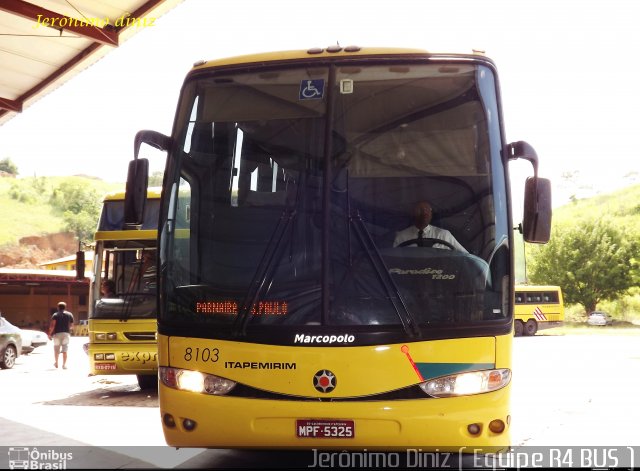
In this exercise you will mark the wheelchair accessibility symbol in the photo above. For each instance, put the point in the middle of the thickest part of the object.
(311, 89)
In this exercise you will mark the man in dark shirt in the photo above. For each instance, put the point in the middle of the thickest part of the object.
(60, 331)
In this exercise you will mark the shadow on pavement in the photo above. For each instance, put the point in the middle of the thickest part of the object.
(129, 395)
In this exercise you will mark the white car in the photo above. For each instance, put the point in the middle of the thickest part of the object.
(31, 339)
(10, 343)
(600, 318)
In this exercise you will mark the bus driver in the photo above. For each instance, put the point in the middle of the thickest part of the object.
(421, 230)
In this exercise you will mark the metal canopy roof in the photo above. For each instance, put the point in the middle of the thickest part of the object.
(44, 43)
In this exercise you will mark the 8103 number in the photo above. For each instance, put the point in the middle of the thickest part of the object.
(201, 354)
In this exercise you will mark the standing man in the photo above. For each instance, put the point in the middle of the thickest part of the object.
(60, 330)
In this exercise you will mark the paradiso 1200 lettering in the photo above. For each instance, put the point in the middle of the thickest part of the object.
(435, 274)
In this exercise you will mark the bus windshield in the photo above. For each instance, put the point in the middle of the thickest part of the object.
(128, 283)
(293, 194)
(112, 216)
(124, 285)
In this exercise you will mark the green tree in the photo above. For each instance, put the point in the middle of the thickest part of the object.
(83, 224)
(155, 179)
(76, 197)
(29, 190)
(591, 261)
(7, 165)
(80, 208)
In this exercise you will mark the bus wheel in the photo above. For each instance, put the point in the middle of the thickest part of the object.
(531, 327)
(147, 381)
(518, 328)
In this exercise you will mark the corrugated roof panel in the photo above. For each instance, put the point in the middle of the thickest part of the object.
(26, 59)
(36, 58)
(111, 9)
(20, 39)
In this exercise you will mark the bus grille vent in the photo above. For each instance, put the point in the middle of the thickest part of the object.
(140, 336)
(411, 392)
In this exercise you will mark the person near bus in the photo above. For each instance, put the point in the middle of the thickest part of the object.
(108, 288)
(60, 332)
(422, 229)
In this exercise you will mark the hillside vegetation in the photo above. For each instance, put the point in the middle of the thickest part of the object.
(622, 207)
(583, 222)
(26, 209)
(28, 206)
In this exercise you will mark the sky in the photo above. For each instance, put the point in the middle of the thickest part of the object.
(566, 70)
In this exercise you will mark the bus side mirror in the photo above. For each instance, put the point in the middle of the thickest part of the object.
(135, 194)
(536, 222)
(138, 176)
(153, 138)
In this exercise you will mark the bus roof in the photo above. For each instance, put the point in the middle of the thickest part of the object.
(536, 287)
(152, 192)
(331, 51)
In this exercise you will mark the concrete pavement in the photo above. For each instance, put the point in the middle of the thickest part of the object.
(102, 420)
(564, 388)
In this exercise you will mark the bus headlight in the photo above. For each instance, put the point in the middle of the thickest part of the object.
(105, 336)
(195, 381)
(466, 384)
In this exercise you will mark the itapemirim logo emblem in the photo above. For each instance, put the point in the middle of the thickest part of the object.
(324, 381)
(22, 457)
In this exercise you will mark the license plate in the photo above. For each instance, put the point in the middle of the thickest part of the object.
(311, 428)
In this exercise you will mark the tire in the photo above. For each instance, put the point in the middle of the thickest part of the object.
(518, 328)
(8, 358)
(147, 381)
(531, 327)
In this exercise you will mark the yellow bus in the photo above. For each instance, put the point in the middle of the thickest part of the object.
(122, 318)
(537, 308)
(288, 315)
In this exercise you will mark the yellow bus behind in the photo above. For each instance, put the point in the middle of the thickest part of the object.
(537, 307)
(123, 324)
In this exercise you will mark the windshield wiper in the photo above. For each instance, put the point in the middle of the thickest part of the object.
(409, 322)
(264, 272)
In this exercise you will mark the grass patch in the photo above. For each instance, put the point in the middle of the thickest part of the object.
(582, 328)
(25, 205)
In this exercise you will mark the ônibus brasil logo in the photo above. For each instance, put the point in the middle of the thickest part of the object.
(28, 458)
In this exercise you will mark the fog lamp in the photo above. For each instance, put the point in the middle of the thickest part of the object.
(168, 420)
(189, 424)
(497, 426)
(474, 429)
